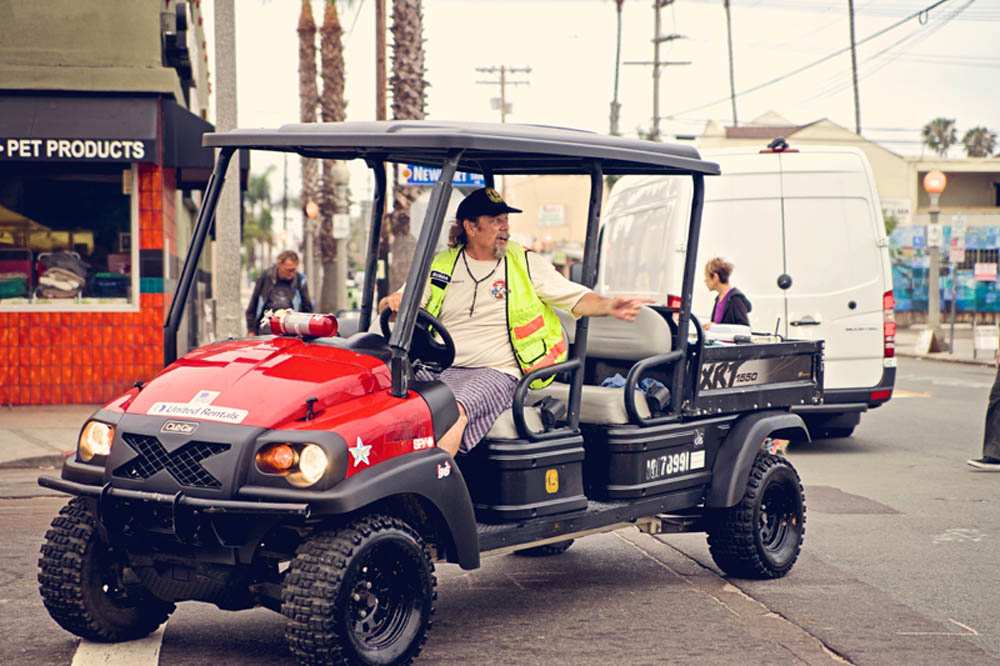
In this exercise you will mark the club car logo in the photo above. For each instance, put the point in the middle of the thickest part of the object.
(179, 427)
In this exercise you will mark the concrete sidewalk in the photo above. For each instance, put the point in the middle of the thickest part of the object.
(40, 436)
(906, 340)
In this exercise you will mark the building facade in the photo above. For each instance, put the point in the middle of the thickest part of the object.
(102, 110)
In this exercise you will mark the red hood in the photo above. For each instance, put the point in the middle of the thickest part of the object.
(268, 379)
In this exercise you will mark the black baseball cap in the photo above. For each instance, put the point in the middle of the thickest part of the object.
(484, 201)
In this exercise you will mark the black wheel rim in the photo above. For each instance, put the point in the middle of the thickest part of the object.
(779, 520)
(385, 597)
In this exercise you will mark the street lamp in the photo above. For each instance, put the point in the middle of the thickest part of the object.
(934, 184)
(308, 261)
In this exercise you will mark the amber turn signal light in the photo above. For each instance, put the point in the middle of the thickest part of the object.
(276, 459)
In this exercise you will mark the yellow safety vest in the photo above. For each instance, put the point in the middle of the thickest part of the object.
(535, 332)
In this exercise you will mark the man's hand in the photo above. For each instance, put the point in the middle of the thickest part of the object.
(594, 305)
(391, 301)
(626, 309)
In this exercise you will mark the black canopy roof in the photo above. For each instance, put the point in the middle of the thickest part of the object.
(487, 147)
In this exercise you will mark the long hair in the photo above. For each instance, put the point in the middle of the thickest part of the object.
(457, 235)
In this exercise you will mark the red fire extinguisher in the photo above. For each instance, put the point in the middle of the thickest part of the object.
(303, 324)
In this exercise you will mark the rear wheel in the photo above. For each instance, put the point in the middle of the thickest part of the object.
(549, 549)
(363, 594)
(83, 584)
(762, 535)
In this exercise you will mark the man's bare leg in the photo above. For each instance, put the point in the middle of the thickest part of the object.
(453, 438)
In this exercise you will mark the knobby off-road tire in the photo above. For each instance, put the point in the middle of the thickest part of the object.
(762, 535)
(548, 550)
(362, 594)
(81, 583)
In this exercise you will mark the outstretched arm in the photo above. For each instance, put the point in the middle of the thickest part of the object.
(595, 305)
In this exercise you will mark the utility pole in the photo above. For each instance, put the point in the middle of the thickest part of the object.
(658, 38)
(615, 106)
(501, 102)
(228, 319)
(732, 75)
(854, 72)
(382, 265)
(380, 84)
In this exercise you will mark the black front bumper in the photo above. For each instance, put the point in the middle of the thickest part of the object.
(207, 505)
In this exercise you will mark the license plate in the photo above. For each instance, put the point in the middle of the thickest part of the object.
(674, 464)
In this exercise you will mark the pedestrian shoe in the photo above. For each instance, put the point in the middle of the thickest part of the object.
(985, 464)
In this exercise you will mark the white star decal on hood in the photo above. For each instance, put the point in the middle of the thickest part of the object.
(360, 453)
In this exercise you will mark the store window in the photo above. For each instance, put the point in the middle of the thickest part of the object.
(67, 238)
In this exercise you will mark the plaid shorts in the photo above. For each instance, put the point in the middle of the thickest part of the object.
(484, 394)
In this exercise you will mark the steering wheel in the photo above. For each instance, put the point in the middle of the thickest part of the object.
(424, 346)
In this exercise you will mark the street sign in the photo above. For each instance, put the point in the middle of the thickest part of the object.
(958, 232)
(935, 235)
(986, 272)
(415, 175)
(341, 226)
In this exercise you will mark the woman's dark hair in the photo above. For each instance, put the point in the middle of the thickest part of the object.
(720, 267)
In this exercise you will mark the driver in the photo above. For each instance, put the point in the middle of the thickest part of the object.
(497, 299)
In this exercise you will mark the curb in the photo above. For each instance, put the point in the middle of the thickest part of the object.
(944, 359)
(54, 460)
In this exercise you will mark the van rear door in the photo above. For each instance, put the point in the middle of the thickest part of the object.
(833, 256)
(741, 222)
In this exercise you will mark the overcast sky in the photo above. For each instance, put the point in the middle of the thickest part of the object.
(947, 65)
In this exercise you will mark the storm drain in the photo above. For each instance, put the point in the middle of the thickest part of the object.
(184, 464)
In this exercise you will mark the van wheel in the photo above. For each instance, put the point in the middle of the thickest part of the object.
(549, 549)
(83, 586)
(362, 594)
(762, 535)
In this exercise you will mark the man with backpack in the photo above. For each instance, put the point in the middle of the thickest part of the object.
(280, 287)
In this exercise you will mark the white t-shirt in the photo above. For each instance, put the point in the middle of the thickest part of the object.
(482, 340)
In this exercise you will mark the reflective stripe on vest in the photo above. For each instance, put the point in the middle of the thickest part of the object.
(534, 329)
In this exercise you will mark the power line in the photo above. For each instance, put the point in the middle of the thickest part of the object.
(799, 70)
(918, 36)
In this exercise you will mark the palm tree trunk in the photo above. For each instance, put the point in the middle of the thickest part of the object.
(308, 101)
(407, 81)
(333, 109)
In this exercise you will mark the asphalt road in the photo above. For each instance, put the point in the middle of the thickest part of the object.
(899, 565)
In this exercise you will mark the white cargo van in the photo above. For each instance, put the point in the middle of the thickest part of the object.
(808, 220)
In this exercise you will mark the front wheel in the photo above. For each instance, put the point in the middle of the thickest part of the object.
(762, 535)
(83, 584)
(362, 594)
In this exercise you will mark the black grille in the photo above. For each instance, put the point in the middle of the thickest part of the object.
(184, 464)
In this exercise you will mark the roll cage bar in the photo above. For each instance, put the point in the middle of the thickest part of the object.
(489, 150)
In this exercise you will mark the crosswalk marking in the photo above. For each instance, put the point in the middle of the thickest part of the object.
(143, 652)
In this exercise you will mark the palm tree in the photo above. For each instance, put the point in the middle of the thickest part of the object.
(979, 142)
(407, 80)
(308, 101)
(258, 220)
(333, 106)
(940, 135)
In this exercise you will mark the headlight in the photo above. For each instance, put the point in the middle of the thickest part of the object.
(95, 440)
(312, 466)
(301, 464)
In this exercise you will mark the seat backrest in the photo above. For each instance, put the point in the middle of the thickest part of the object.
(612, 338)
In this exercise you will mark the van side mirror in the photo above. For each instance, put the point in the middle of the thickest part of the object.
(784, 281)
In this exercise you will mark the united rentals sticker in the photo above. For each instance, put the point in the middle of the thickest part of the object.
(200, 407)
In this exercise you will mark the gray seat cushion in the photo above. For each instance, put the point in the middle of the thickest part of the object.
(504, 428)
(599, 405)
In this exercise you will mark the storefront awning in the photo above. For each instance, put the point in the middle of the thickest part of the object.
(107, 128)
